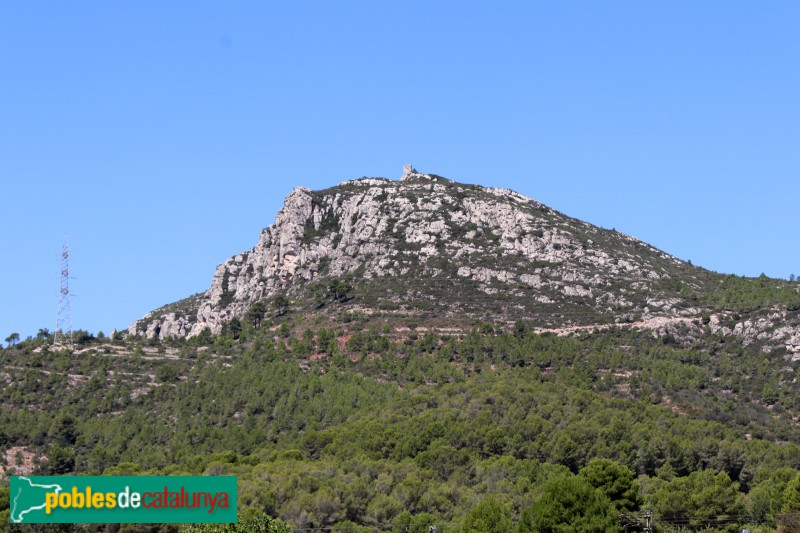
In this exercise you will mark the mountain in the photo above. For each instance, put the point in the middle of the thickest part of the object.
(396, 355)
(429, 244)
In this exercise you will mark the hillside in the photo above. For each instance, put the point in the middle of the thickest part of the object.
(398, 354)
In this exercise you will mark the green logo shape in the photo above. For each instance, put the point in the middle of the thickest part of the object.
(122, 499)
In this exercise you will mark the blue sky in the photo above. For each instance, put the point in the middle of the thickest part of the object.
(161, 137)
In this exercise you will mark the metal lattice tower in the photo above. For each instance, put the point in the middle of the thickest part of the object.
(63, 333)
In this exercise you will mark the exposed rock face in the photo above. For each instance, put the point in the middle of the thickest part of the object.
(771, 328)
(425, 227)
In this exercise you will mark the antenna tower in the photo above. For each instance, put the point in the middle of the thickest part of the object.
(63, 333)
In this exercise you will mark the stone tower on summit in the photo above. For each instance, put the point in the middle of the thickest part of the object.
(408, 171)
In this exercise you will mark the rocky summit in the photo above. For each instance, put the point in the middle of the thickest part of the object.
(426, 242)
(428, 250)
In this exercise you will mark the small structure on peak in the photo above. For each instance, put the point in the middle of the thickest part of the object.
(408, 171)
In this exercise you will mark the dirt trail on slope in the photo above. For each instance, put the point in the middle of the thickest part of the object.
(650, 323)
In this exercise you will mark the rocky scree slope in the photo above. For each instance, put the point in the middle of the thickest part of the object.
(428, 243)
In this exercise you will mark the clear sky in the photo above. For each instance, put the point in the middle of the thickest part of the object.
(162, 136)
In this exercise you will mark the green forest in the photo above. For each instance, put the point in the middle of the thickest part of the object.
(354, 422)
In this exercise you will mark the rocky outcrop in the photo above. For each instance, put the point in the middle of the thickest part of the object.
(425, 226)
(770, 327)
